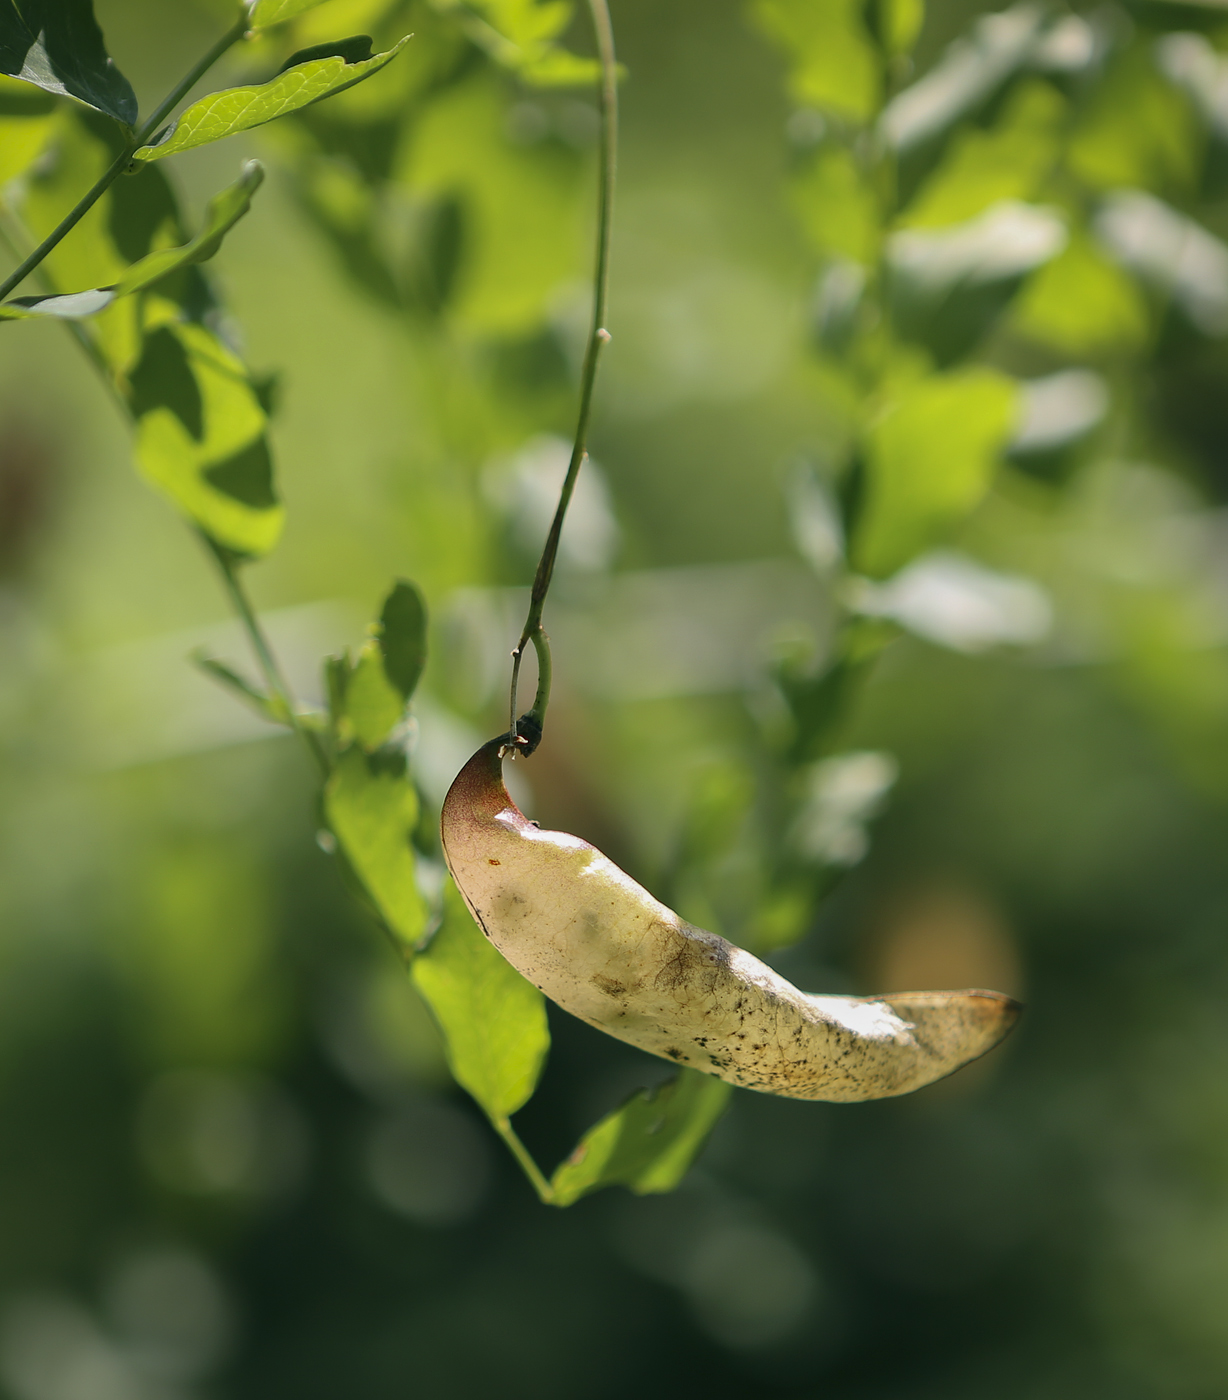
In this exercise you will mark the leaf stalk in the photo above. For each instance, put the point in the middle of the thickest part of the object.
(545, 1192)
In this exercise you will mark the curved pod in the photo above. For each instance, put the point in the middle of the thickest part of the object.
(579, 928)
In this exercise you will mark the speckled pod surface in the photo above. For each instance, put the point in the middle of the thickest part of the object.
(597, 943)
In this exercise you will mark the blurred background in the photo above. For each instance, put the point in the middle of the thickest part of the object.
(232, 1163)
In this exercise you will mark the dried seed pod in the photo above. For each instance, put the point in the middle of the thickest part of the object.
(600, 945)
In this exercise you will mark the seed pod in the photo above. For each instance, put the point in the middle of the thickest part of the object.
(579, 928)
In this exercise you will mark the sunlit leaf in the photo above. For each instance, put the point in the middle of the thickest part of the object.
(929, 460)
(837, 206)
(372, 808)
(493, 1021)
(263, 13)
(518, 216)
(833, 63)
(223, 212)
(200, 436)
(649, 1143)
(308, 77)
(1009, 161)
(373, 705)
(899, 24)
(1082, 303)
(58, 46)
(26, 122)
(520, 35)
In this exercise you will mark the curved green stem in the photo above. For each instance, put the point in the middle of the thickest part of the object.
(598, 339)
(122, 161)
(545, 1192)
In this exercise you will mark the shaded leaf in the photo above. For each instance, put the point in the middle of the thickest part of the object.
(929, 459)
(371, 809)
(58, 46)
(1136, 130)
(303, 81)
(493, 1021)
(224, 211)
(402, 636)
(649, 1143)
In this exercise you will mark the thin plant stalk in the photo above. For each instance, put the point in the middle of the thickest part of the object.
(599, 338)
(273, 675)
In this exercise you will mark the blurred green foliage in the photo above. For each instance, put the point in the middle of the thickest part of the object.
(945, 299)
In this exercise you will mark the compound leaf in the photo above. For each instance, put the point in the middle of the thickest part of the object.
(58, 46)
(309, 76)
(224, 211)
(493, 1021)
(649, 1143)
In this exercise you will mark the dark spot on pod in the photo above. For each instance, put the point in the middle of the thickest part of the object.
(674, 1053)
(495, 862)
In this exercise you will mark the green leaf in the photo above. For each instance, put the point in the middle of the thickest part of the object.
(224, 211)
(371, 809)
(367, 698)
(304, 80)
(520, 34)
(199, 415)
(200, 436)
(899, 24)
(649, 1143)
(26, 122)
(929, 460)
(1082, 303)
(262, 14)
(834, 64)
(837, 206)
(1136, 130)
(268, 706)
(402, 636)
(57, 46)
(493, 1021)
(518, 215)
(1011, 161)
(373, 705)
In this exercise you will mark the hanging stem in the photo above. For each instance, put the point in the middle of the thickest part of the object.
(526, 733)
(139, 138)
